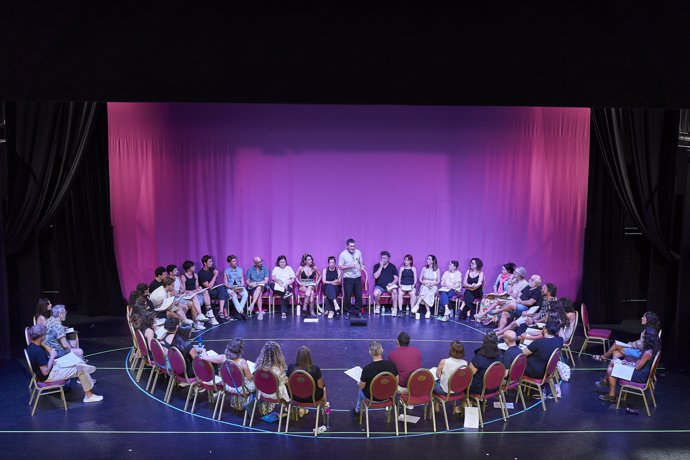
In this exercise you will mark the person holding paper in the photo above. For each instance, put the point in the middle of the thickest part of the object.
(257, 283)
(174, 309)
(208, 278)
(308, 278)
(371, 370)
(529, 297)
(56, 334)
(189, 282)
(451, 283)
(408, 280)
(516, 284)
(283, 276)
(484, 357)
(533, 314)
(234, 289)
(304, 362)
(351, 263)
(47, 369)
(539, 351)
(473, 284)
(331, 279)
(233, 352)
(446, 367)
(429, 279)
(632, 350)
(651, 345)
(406, 358)
(386, 280)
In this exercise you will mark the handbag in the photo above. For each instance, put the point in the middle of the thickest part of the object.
(563, 371)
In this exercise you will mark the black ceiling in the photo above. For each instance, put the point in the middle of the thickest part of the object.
(603, 54)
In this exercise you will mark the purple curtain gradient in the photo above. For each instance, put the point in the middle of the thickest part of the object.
(501, 184)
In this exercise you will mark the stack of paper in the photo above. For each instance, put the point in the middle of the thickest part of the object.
(355, 373)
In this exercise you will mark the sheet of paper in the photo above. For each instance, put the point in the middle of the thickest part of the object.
(355, 373)
(497, 405)
(410, 418)
(623, 344)
(69, 360)
(277, 287)
(444, 289)
(503, 346)
(471, 417)
(622, 371)
(69, 330)
(433, 371)
(252, 366)
(160, 333)
(211, 353)
(532, 310)
(311, 320)
(527, 342)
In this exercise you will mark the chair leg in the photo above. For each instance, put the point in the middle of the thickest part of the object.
(155, 380)
(651, 393)
(141, 369)
(522, 398)
(584, 344)
(251, 419)
(196, 395)
(618, 402)
(405, 416)
(189, 395)
(244, 419)
(646, 406)
(445, 415)
(148, 384)
(287, 422)
(38, 396)
(395, 412)
(553, 390)
(479, 409)
(316, 425)
(62, 395)
(280, 416)
(504, 406)
(215, 406)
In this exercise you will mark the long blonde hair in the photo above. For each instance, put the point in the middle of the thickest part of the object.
(271, 356)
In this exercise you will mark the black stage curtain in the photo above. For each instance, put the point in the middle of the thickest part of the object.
(47, 144)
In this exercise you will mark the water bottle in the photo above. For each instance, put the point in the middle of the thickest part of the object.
(321, 429)
(200, 345)
(328, 416)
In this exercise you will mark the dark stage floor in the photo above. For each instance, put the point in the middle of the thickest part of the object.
(131, 423)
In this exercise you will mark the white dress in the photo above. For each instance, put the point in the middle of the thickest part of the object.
(428, 293)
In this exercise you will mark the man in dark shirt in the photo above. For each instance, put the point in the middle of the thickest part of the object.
(539, 351)
(386, 280)
(207, 279)
(513, 350)
(529, 297)
(157, 282)
(371, 370)
(407, 359)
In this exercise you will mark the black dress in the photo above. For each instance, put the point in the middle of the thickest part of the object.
(470, 296)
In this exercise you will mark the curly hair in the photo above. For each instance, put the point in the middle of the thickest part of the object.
(651, 340)
(271, 356)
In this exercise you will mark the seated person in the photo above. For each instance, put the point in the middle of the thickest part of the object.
(516, 284)
(451, 283)
(56, 334)
(189, 286)
(170, 326)
(429, 279)
(146, 327)
(503, 279)
(234, 288)
(144, 292)
(331, 278)
(651, 345)
(183, 342)
(159, 275)
(407, 359)
(233, 352)
(175, 310)
(634, 349)
(283, 276)
(473, 284)
(484, 357)
(529, 297)
(208, 278)
(303, 362)
(407, 275)
(271, 358)
(47, 369)
(43, 307)
(257, 284)
(308, 278)
(526, 319)
(539, 351)
(510, 339)
(385, 280)
(371, 370)
(448, 366)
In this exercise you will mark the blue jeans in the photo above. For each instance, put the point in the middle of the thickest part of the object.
(438, 389)
(360, 397)
(446, 296)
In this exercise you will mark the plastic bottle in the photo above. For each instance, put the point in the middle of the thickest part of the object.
(327, 413)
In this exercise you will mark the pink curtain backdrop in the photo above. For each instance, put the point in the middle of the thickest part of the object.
(502, 184)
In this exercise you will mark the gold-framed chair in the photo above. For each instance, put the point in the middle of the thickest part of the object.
(566, 345)
(593, 335)
(627, 387)
(43, 388)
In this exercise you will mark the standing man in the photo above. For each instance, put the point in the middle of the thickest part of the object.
(352, 264)
(234, 286)
(257, 282)
(207, 278)
(386, 279)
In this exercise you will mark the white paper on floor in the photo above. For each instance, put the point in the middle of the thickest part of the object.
(410, 418)
(471, 417)
(311, 320)
(497, 405)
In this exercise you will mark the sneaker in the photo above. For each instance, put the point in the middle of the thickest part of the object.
(444, 318)
(199, 326)
(415, 309)
(214, 322)
(377, 309)
(394, 312)
(298, 311)
(260, 317)
(428, 315)
(188, 321)
(283, 315)
(330, 314)
(417, 316)
(93, 398)
(201, 317)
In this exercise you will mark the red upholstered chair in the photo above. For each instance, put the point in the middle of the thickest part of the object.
(232, 377)
(134, 355)
(549, 373)
(420, 387)
(515, 374)
(179, 374)
(277, 296)
(267, 384)
(144, 357)
(267, 299)
(458, 384)
(593, 335)
(384, 299)
(640, 388)
(302, 385)
(160, 365)
(382, 390)
(43, 388)
(491, 388)
(206, 379)
(299, 297)
(566, 345)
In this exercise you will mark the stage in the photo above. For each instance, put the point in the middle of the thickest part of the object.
(130, 422)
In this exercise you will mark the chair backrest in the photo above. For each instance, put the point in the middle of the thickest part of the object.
(203, 370)
(31, 369)
(420, 383)
(659, 333)
(460, 380)
(655, 364)
(365, 281)
(517, 370)
(177, 363)
(383, 387)
(574, 328)
(493, 377)
(552, 363)
(585, 318)
(27, 335)
(158, 354)
(141, 344)
(231, 374)
(266, 381)
(301, 385)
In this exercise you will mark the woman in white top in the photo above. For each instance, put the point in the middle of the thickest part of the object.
(429, 278)
(451, 283)
(283, 277)
(448, 366)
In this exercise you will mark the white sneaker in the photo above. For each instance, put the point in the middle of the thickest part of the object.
(199, 326)
(283, 315)
(214, 322)
(260, 317)
(445, 318)
(428, 314)
(93, 398)
(330, 314)
(416, 316)
(89, 369)
(188, 321)
(298, 311)
(335, 305)
(209, 313)
(201, 317)
(377, 309)
(415, 308)
(446, 312)
(394, 312)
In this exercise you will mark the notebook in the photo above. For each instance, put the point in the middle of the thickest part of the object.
(355, 373)
(69, 360)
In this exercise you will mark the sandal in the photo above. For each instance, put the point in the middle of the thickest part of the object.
(599, 358)
(608, 398)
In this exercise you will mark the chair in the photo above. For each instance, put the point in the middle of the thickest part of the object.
(134, 355)
(458, 383)
(382, 390)
(457, 298)
(420, 390)
(537, 384)
(160, 365)
(278, 295)
(145, 361)
(206, 379)
(385, 299)
(493, 378)
(514, 381)
(231, 375)
(267, 297)
(43, 388)
(299, 297)
(593, 335)
(302, 385)
(27, 335)
(566, 345)
(267, 384)
(640, 388)
(179, 374)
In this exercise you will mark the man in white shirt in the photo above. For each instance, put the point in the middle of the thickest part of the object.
(352, 264)
(175, 310)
